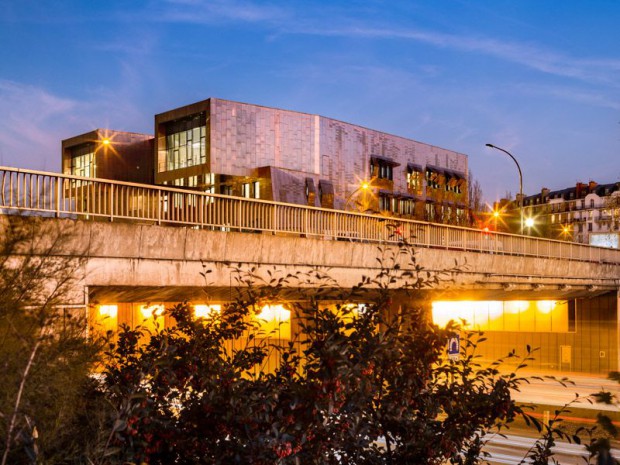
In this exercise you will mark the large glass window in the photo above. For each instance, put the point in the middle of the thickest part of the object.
(83, 161)
(186, 142)
(512, 315)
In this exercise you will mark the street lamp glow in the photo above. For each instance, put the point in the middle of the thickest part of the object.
(529, 222)
(106, 141)
(520, 179)
(364, 186)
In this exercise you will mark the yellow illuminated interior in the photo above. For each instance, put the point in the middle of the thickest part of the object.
(152, 311)
(275, 321)
(108, 311)
(205, 311)
(105, 318)
(510, 315)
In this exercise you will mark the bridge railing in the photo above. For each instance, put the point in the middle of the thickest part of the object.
(31, 192)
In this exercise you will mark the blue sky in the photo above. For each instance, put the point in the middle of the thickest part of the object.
(539, 78)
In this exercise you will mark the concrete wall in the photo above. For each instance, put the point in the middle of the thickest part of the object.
(130, 254)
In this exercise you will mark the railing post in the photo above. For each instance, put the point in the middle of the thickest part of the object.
(159, 207)
(59, 184)
(201, 213)
(112, 203)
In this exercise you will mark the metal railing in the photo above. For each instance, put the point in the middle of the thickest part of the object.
(63, 196)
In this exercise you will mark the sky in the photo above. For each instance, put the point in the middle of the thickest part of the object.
(539, 78)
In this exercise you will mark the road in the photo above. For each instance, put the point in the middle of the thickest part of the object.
(512, 449)
(549, 392)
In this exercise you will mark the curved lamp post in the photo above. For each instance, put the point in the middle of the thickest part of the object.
(520, 179)
(363, 187)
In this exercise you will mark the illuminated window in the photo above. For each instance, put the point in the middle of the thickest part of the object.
(186, 142)
(109, 311)
(106, 317)
(206, 311)
(245, 190)
(275, 321)
(83, 160)
(415, 180)
(151, 311)
(517, 315)
(256, 189)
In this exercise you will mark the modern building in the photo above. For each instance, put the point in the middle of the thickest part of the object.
(108, 154)
(252, 151)
(576, 213)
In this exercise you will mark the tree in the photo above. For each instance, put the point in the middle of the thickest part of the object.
(475, 196)
(45, 356)
(364, 384)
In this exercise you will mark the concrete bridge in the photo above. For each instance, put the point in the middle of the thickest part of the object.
(137, 244)
(128, 262)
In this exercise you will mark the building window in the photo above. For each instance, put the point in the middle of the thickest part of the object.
(256, 185)
(435, 178)
(384, 202)
(414, 179)
(83, 161)
(548, 316)
(429, 210)
(326, 194)
(591, 203)
(382, 168)
(406, 207)
(226, 189)
(186, 142)
(245, 190)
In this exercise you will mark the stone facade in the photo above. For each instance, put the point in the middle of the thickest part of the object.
(308, 159)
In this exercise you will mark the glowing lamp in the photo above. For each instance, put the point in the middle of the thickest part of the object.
(153, 311)
(206, 311)
(109, 311)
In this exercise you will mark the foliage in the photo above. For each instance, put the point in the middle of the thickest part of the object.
(475, 195)
(45, 357)
(359, 385)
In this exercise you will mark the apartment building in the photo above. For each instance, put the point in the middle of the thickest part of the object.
(576, 213)
(239, 149)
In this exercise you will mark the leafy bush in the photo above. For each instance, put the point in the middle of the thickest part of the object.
(356, 385)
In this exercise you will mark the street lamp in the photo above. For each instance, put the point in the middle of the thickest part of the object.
(520, 179)
(364, 186)
(496, 215)
(529, 223)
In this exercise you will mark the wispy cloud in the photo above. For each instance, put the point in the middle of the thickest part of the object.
(527, 54)
(28, 128)
(214, 11)
(34, 121)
